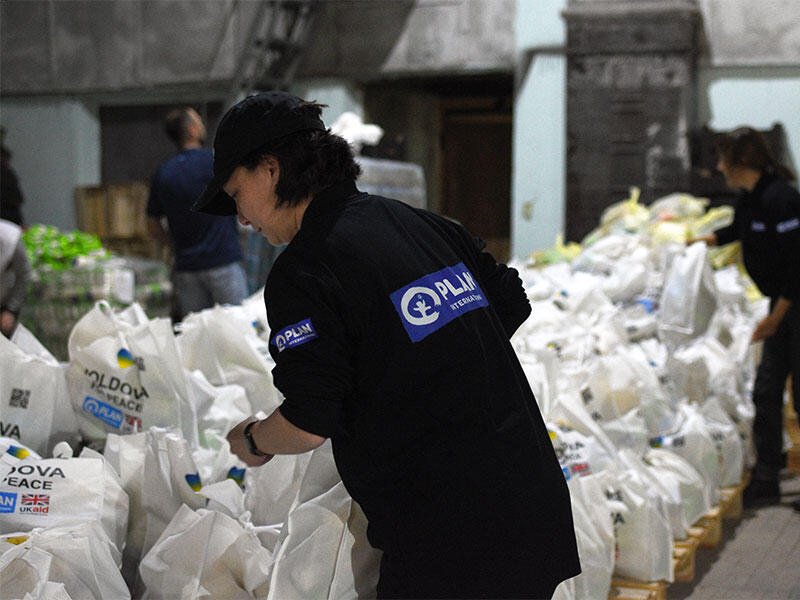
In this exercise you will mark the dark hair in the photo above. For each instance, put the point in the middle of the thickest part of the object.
(176, 124)
(310, 161)
(747, 147)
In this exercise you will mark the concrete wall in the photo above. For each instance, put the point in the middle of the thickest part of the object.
(733, 96)
(56, 147)
(370, 40)
(538, 188)
(750, 72)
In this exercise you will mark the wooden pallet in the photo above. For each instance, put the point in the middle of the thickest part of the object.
(730, 500)
(683, 559)
(629, 589)
(708, 529)
(706, 533)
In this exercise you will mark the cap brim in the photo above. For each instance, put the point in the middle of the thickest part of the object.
(215, 201)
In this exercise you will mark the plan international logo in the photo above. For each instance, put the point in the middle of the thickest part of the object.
(8, 501)
(294, 335)
(432, 301)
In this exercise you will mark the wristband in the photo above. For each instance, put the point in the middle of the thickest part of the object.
(251, 443)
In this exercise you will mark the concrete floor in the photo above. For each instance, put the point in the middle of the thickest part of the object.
(757, 559)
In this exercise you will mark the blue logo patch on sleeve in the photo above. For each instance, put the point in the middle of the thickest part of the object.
(294, 335)
(432, 301)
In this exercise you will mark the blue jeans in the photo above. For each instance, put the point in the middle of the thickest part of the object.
(196, 290)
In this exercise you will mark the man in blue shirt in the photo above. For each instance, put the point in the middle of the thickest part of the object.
(207, 267)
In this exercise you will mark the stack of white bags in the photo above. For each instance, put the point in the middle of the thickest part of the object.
(637, 352)
(155, 505)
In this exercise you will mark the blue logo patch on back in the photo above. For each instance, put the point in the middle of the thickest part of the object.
(433, 300)
(294, 335)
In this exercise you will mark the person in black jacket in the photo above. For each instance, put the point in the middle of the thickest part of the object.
(390, 333)
(767, 223)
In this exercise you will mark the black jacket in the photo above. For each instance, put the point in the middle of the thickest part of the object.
(390, 333)
(767, 223)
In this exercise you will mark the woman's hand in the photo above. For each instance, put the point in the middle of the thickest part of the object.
(239, 446)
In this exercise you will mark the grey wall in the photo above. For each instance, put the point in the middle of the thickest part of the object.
(56, 146)
(374, 39)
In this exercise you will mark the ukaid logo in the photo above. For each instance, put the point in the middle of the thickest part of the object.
(434, 300)
(294, 335)
(8, 501)
(34, 504)
(105, 412)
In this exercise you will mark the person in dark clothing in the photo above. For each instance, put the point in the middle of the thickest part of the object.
(10, 195)
(208, 255)
(767, 223)
(390, 333)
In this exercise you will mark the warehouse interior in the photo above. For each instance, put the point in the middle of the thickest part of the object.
(573, 137)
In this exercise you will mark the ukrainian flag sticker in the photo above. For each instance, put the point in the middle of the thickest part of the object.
(124, 359)
(193, 479)
(18, 452)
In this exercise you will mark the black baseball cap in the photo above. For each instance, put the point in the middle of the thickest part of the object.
(247, 126)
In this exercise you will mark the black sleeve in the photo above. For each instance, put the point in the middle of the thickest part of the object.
(311, 348)
(729, 234)
(504, 288)
(786, 216)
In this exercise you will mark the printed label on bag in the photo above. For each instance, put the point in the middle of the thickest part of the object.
(113, 391)
(8, 502)
(10, 430)
(34, 504)
(294, 335)
(33, 477)
(433, 300)
(19, 398)
(105, 412)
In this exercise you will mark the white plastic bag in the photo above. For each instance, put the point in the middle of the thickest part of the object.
(325, 552)
(76, 559)
(695, 494)
(694, 442)
(222, 344)
(730, 447)
(206, 554)
(688, 300)
(125, 375)
(170, 479)
(641, 527)
(579, 455)
(34, 402)
(46, 492)
(594, 533)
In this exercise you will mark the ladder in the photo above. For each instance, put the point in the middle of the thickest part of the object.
(274, 45)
